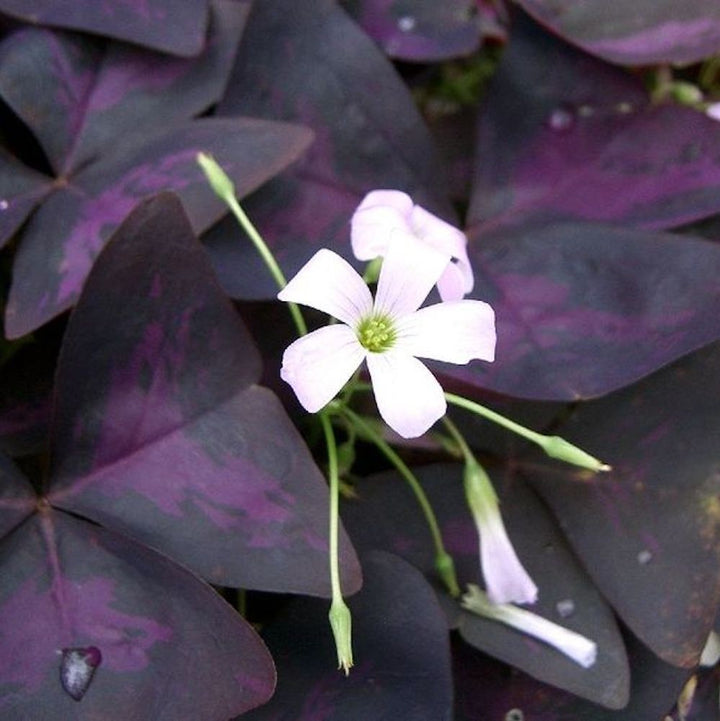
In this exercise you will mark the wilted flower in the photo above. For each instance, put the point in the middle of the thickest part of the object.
(389, 332)
(506, 580)
(385, 216)
(580, 649)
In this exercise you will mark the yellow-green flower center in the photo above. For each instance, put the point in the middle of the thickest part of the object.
(376, 333)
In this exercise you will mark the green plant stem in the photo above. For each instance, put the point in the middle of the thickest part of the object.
(554, 446)
(334, 483)
(443, 559)
(225, 189)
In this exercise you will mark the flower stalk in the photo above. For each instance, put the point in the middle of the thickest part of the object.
(340, 618)
(444, 563)
(554, 446)
(580, 649)
(224, 188)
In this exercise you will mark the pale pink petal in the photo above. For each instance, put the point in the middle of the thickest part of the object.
(506, 581)
(330, 284)
(395, 199)
(453, 283)
(378, 216)
(458, 278)
(408, 397)
(455, 332)
(713, 111)
(408, 273)
(319, 364)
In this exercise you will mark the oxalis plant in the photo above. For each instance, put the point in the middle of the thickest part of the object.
(347, 460)
(389, 333)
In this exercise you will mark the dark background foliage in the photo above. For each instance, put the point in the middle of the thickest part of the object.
(156, 472)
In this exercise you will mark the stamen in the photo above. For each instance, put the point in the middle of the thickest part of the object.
(376, 333)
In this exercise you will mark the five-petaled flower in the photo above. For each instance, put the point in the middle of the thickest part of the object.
(390, 333)
(385, 216)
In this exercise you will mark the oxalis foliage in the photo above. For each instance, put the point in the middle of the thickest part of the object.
(164, 535)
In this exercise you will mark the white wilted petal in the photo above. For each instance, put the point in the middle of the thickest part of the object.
(579, 648)
(506, 579)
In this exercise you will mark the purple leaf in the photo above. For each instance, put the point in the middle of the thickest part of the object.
(583, 309)
(174, 26)
(645, 32)
(421, 30)
(79, 96)
(485, 689)
(563, 135)
(648, 532)
(74, 594)
(21, 189)
(17, 497)
(369, 135)
(543, 552)
(65, 235)
(26, 399)
(400, 641)
(161, 432)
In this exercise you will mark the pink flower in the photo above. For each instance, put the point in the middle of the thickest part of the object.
(384, 216)
(506, 580)
(713, 111)
(390, 333)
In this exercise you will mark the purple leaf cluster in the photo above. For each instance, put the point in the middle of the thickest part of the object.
(163, 504)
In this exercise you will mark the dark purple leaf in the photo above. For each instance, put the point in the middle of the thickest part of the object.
(309, 63)
(649, 532)
(543, 552)
(17, 497)
(21, 189)
(65, 235)
(161, 432)
(644, 32)
(174, 26)
(26, 383)
(563, 134)
(420, 30)
(401, 650)
(95, 626)
(82, 97)
(583, 309)
(486, 690)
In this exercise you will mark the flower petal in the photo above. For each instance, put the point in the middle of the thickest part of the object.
(408, 397)
(410, 270)
(506, 580)
(380, 213)
(455, 332)
(330, 284)
(447, 239)
(319, 364)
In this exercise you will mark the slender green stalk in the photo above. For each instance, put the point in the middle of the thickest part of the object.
(554, 446)
(443, 561)
(225, 190)
(340, 619)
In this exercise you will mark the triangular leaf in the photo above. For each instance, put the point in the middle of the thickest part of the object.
(160, 430)
(86, 615)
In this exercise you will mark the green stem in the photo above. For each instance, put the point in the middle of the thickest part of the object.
(554, 446)
(443, 560)
(334, 482)
(225, 190)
